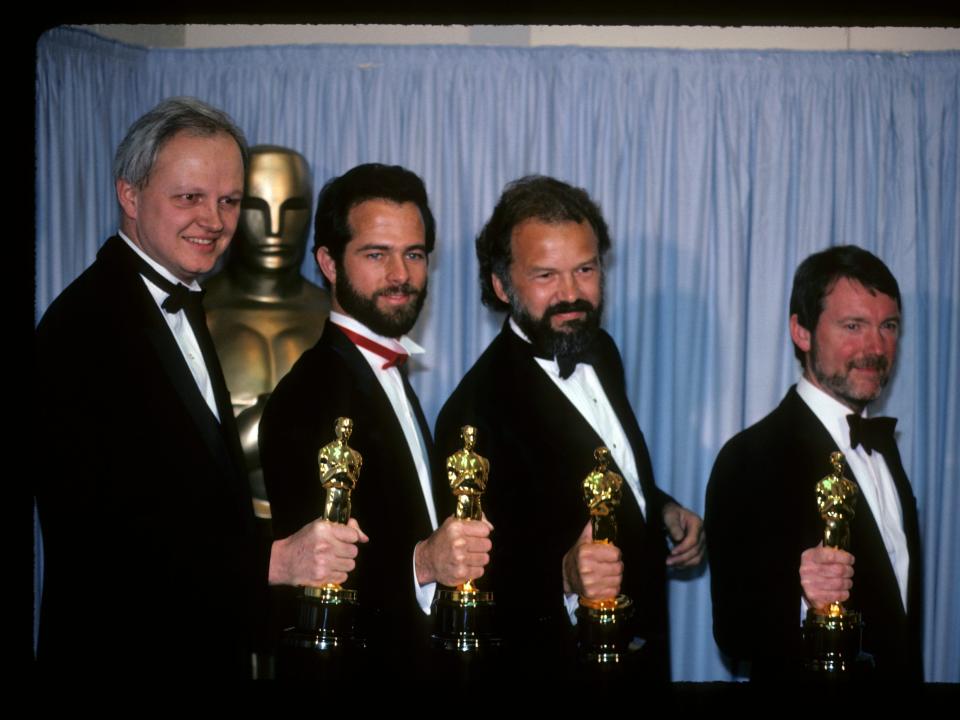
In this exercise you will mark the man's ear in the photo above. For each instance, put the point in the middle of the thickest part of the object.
(128, 196)
(799, 334)
(498, 289)
(327, 265)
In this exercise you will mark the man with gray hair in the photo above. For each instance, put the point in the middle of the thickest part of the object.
(152, 563)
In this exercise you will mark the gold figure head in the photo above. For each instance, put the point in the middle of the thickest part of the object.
(836, 460)
(836, 500)
(602, 493)
(343, 429)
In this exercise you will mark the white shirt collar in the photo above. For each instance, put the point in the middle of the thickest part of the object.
(401, 344)
(830, 411)
(193, 285)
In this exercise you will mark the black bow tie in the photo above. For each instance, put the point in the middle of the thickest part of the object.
(179, 296)
(568, 363)
(874, 433)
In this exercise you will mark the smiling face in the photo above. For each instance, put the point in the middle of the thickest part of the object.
(555, 290)
(186, 213)
(381, 280)
(850, 353)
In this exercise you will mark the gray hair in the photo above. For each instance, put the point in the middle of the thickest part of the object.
(146, 137)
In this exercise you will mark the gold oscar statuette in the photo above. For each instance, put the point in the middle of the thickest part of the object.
(327, 613)
(602, 623)
(463, 616)
(832, 634)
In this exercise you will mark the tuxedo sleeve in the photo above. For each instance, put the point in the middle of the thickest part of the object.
(754, 561)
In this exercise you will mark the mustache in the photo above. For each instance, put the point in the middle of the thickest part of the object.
(580, 305)
(870, 362)
(402, 289)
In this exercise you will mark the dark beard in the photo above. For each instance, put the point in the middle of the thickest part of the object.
(574, 340)
(364, 309)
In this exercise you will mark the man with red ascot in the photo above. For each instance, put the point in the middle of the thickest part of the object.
(374, 232)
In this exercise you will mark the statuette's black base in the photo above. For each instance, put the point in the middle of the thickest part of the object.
(831, 646)
(323, 645)
(464, 621)
(603, 632)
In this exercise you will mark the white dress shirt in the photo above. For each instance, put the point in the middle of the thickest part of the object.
(872, 475)
(584, 391)
(180, 327)
(392, 384)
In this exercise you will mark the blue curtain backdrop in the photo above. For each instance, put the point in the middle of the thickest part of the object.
(718, 171)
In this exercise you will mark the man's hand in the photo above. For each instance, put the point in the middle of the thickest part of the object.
(686, 530)
(592, 570)
(319, 553)
(825, 575)
(457, 551)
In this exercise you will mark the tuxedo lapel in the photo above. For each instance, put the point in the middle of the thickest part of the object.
(366, 381)
(143, 317)
(376, 399)
(867, 545)
(417, 412)
(911, 529)
(553, 411)
(908, 503)
(560, 419)
(610, 373)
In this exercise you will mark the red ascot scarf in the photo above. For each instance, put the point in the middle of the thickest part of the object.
(392, 357)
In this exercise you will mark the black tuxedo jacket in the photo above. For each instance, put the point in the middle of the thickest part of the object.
(151, 561)
(331, 380)
(761, 514)
(540, 449)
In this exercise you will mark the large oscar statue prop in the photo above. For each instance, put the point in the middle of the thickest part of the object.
(327, 613)
(463, 616)
(262, 313)
(602, 624)
(832, 634)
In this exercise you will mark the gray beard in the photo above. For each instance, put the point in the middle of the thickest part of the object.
(838, 385)
(577, 336)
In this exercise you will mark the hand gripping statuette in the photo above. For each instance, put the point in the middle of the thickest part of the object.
(327, 613)
(832, 634)
(602, 623)
(463, 615)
